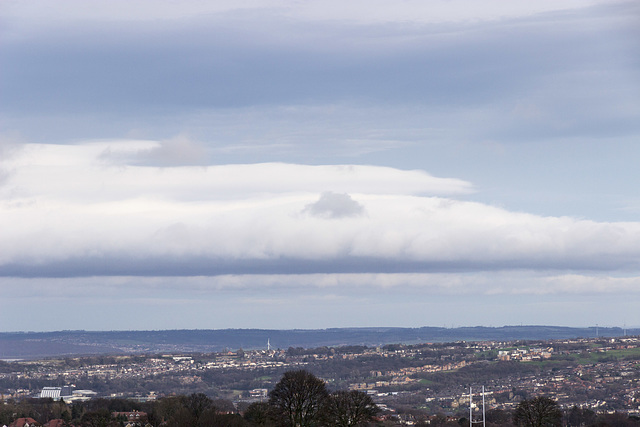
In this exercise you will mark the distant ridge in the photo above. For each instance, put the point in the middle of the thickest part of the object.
(31, 345)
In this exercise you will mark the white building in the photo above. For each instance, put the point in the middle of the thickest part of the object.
(56, 393)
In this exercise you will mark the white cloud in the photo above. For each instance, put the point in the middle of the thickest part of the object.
(73, 214)
(91, 172)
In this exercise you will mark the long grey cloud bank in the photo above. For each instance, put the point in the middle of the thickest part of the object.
(553, 69)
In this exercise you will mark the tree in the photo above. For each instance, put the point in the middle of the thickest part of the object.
(98, 418)
(297, 399)
(198, 403)
(540, 411)
(259, 414)
(210, 418)
(577, 417)
(174, 412)
(349, 408)
(497, 417)
(617, 419)
(185, 411)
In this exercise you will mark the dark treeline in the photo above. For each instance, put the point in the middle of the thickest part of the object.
(298, 399)
(199, 410)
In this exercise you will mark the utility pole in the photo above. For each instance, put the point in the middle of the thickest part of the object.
(471, 421)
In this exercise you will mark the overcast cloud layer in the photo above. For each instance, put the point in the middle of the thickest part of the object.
(316, 164)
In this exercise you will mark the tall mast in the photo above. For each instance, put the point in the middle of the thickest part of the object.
(483, 420)
(471, 421)
(470, 407)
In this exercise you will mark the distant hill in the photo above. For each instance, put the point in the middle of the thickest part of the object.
(31, 345)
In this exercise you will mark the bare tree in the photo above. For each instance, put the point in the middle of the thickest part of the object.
(540, 411)
(577, 417)
(349, 408)
(298, 398)
(185, 411)
(260, 414)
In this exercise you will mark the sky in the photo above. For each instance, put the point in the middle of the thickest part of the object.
(314, 164)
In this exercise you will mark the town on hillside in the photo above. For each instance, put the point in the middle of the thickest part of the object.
(408, 383)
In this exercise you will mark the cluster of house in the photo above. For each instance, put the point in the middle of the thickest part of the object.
(30, 422)
(525, 354)
(130, 419)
